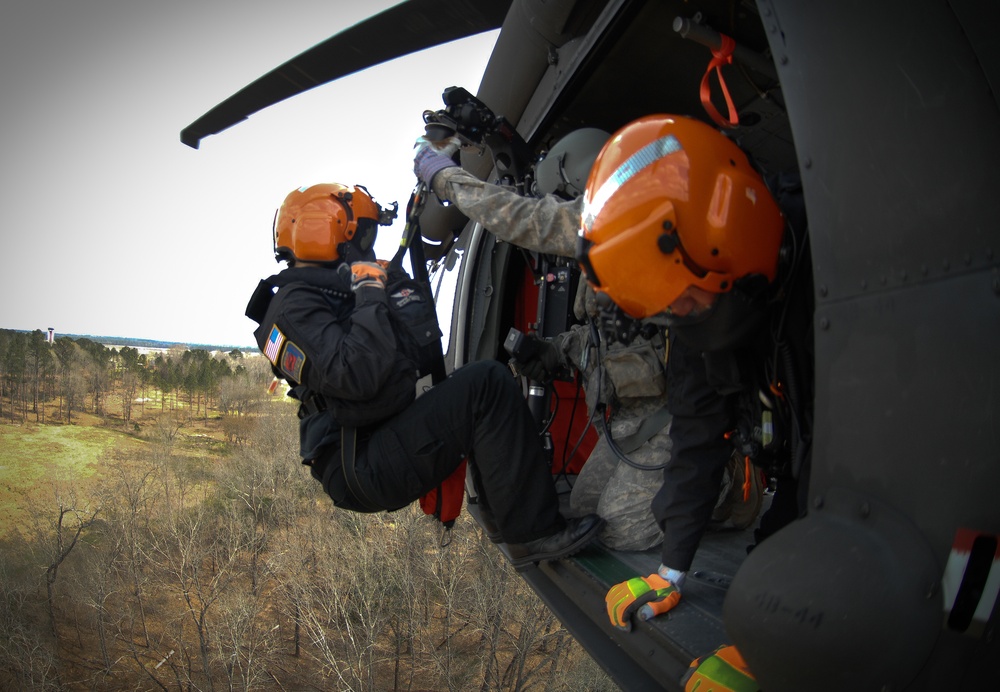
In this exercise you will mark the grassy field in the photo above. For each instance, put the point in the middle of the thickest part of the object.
(36, 458)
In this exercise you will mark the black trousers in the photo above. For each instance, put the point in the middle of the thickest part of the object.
(703, 402)
(698, 456)
(480, 414)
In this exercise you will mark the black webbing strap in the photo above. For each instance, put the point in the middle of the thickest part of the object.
(312, 404)
(651, 425)
(348, 455)
(413, 242)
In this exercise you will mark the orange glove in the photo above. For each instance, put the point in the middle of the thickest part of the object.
(651, 596)
(367, 274)
(723, 670)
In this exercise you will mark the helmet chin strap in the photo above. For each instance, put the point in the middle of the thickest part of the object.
(361, 247)
(614, 325)
(349, 252)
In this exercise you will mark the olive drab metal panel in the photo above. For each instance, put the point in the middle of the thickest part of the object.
(898, 135)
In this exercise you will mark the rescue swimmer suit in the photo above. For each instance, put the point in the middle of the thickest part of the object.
(337, 349)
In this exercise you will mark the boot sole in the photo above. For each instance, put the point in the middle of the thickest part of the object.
(523, 563)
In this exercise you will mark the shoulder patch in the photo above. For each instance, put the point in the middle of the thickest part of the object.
(404, 296)
(274, 343)
(292, 361)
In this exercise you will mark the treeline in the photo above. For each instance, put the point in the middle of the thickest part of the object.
(81, 375)
(139, 343)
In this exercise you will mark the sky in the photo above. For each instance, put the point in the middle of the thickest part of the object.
(112, 227)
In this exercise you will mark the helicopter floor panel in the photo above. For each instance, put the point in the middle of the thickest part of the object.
(654, 655)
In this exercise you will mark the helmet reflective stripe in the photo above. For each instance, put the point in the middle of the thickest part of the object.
(648, 155)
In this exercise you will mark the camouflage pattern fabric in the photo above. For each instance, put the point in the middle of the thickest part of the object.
(632, 378)
(544, 224)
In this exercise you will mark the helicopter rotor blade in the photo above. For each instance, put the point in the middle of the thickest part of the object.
(406, 28)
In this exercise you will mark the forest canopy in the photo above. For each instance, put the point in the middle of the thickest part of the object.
(194, 551)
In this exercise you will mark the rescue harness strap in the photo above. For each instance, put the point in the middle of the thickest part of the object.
(650, 425)
(348, 449)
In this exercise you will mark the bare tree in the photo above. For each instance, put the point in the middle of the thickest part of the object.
(57, 540)
(27, 658)
(268, 481)
(493, 586)
(411, 538)
(245, 643)
(98, 584)
(348, 612)
(200, 552)
(13, 370)
(447, 566)
(246, 388)
(39, 363)
(131, 379)
(166, 427)
(129, 500)
(130, 387)
(295, 568)
(97, 367)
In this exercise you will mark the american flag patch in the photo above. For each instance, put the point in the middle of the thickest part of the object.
(274, 343)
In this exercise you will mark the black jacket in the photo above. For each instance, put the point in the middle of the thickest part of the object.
(336, 348)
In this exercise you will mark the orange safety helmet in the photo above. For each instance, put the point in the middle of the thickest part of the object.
(313, 222)
(672, 203)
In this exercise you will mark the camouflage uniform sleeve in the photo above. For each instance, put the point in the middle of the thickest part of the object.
(546, 224)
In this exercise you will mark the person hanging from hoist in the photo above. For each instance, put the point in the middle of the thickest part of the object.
(331, 329)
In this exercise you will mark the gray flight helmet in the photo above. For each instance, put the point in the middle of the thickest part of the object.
(566, 167)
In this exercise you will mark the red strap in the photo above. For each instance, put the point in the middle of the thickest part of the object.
(720, 57)
(747, 479)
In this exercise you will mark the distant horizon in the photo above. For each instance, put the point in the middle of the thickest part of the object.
(134, 341)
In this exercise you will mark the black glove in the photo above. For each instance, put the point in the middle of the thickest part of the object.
(539, 360)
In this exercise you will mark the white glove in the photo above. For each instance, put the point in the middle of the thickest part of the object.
(446, 147)
(429, 158)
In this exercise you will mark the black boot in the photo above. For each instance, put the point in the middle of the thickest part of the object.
(579, 532)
